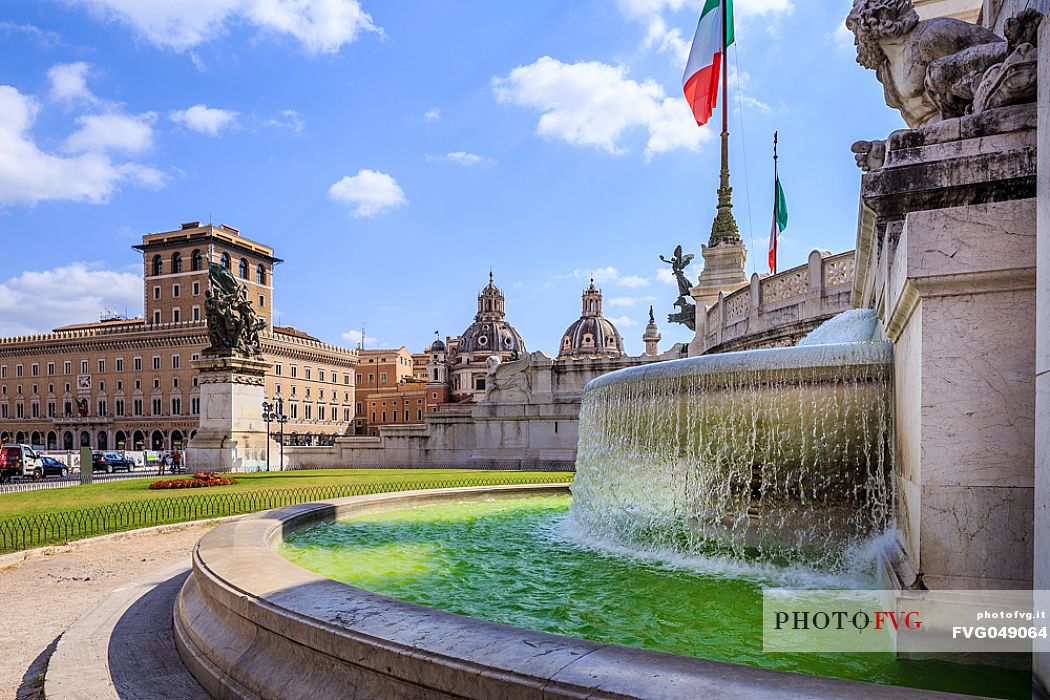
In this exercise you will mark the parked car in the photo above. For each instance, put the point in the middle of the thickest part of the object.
(19, 460)
(52, 467)
(110, 462)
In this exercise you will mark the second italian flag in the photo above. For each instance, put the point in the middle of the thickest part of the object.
(704, 67)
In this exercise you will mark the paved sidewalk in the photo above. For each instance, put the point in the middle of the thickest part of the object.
(123, 647)
(46, 594)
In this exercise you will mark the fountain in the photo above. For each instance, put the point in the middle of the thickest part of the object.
(781, 454)
(764, 468)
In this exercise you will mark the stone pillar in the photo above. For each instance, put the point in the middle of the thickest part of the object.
(723, 272)
(954, 260)
(1041, 665)
(232, 435)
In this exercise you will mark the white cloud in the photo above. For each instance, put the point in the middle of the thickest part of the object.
(632, 281)
(750, 8)
(112, 132)
(370, 192)
(665, 275)
(665, 34)
(666, 40)
(623, 321)
(69, 83)
(432, 115)
(29, 175)
(635, 9)
(608, 275)
(287, 119)
(459, 158)
(204, 119)
(43, 37)
(36, 302)
(354, 338)
(646, 8)
(842, 39)
(321, 26)
(630, 301)
(595, 104)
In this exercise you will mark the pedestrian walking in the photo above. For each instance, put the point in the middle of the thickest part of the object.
(176, 460)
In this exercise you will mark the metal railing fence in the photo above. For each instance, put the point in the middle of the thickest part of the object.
(25, 532)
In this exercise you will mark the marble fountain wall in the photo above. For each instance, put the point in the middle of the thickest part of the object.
(946, 255)
(1042, 447)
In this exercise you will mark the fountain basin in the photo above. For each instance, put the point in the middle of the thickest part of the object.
(782, 454)
(248, 624)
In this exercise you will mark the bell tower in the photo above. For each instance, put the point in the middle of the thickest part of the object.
(592, 301)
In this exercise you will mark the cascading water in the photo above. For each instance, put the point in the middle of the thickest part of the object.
(781, 455)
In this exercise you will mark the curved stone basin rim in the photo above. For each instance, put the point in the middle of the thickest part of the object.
(820, 361)
(248, 623)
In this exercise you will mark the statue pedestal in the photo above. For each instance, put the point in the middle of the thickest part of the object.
(723, 272)
(232, 435)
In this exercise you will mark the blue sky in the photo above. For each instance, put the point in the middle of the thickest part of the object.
(393, 152)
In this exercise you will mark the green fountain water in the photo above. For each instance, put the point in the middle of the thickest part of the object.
(524, 562)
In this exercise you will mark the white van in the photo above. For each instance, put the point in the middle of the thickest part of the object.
(20, 460)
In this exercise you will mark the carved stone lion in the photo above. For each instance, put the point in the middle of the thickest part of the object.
(929, 69)
(508, 382)
(1015, 80)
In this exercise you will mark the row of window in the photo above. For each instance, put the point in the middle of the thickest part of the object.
(393, 416)
(331, 376)
(85, 366)
(197, 265)
(101, 387)
(346, 394)
(120, 409)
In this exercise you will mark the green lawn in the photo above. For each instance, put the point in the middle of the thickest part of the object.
(64, 514)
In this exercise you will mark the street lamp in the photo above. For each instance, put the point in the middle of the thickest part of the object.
(267, 416)
(281, 420)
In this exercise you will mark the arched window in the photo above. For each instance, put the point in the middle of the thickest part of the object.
(225, 260)
(196, 261)
(591, 302)
(176, 263)
(158, 265)
(260, 274)
(243, 269)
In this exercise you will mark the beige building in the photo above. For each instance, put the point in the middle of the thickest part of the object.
(129, 384)
(387, 390)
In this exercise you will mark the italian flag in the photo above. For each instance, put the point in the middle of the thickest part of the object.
(780, 222)
(702, 71)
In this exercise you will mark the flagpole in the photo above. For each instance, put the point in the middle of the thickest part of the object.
(724, 228)
(725, 85)
(776, 203)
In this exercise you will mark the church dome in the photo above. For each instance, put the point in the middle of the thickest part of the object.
(490, 331)
(495, 336)
(591, 335)
(437, 346)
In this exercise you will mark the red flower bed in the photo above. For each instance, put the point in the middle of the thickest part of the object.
(199, 480)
